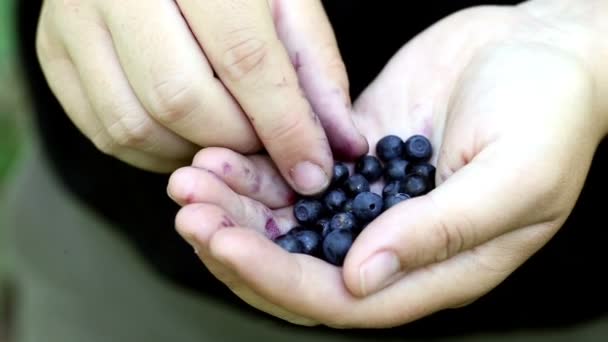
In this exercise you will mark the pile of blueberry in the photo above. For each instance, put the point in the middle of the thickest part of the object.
(330, 222)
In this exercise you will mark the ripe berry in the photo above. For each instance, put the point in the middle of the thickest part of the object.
(425, 170)
(390, 147)
(369, 167)
(392, 200)
(348, 206)
(417, 149)
(396, 169)
(308, 211)
(334, 200)
(392, 188)
(345, 221)
(355, 184)
(311, 241)
(415, 185)
(336, 245)
(321, 226)
(340, 174)
(290, 243)
(367, 206)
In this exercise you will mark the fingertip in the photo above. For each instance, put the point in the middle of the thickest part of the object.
(309, 178)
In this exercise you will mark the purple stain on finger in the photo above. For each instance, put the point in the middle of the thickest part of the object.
(226, 222)
(272, 229)
(226, 168)
(256, 185)
(427, 128)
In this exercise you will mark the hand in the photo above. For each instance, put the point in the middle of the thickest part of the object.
(138, 79)
(514, 120)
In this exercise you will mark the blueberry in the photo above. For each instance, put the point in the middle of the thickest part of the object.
(367, 206)
(396, 169)
(340, 174)
(417, 149)
(369, 167)
(355, 184)
(322, 226)
(311, 241)
(345, 221)
(415, 185)
(389, 147)
(392, 200)
(348, 206)
(308, 211)
(392, 188)
(290, 243)
(334, 200)
(425, 170)
(336, 245)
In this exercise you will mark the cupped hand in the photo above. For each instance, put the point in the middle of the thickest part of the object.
(512, 114)
(151, 82)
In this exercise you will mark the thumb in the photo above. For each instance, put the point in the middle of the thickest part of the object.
(482, 200)
(304, 29)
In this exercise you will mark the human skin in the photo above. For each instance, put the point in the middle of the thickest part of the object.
(151, 82)
(514, 100)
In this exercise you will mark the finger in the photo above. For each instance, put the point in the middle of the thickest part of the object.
(65, 84)
(304, 29)
(476, 204)
(297, 282)
(196, 223)
(241, 43)
(281, 278)
(112, 98)
(192, 185)
(177, 88)
(255, 177)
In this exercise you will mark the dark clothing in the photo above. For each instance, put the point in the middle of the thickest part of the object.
(561, 284)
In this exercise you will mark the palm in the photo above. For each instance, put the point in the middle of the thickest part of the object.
(443, 85)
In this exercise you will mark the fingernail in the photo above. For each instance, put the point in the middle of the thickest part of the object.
(309, 178)
(377, 272)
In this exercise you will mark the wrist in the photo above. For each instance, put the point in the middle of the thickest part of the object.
(578, 28)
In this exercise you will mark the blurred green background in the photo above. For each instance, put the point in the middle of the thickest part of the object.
(13, 108)
(12, 104)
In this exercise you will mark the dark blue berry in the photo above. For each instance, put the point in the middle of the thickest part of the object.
(390, 147)
(334, 200)
(321, 226)
(425, 170)
(417, 148)
(392, 200)
(415, 185)
(392, 188)
(369, 167)
(367, 206)
(395, 169)
(346, 221)
(336, 245)
(290, 243)
(340, 174)
(311, 241)
(355, 184)
(308, 211)
(348, 206)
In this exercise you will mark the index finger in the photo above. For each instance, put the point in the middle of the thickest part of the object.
(240, 40)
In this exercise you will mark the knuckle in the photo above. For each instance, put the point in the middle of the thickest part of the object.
(173, 100)
(244, 56)
(104, 144)
(284, 128)
(449, 235)
(129, 132)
